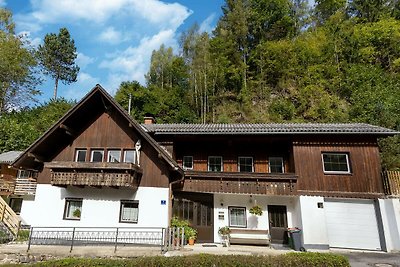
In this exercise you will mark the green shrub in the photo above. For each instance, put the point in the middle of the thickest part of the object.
(307, 259)
(23, 235)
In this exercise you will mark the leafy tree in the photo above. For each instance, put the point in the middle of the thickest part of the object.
(57, 56)
(324, 9)
(18, 78)
(21, 128)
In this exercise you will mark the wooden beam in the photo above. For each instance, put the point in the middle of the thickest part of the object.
(68, 130)
(36, 157)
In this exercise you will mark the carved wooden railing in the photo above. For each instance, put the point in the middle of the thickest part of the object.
(391, 182)
(6, 187)
(9, 218)
(25, 186)
(240, 183)
(94, 174)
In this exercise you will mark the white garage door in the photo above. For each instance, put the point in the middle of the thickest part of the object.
(352, 224)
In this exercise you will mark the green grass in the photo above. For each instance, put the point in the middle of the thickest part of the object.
(307, 259)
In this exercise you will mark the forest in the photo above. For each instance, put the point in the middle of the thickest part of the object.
(267, 61)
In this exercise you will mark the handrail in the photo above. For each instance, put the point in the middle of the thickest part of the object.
(10, 219)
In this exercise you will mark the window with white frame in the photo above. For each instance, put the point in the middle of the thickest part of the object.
(24, 174)
(215, 164)
(97, 155)
(336, 162)
(73, 209)
(276, 165)
(237, 217)
(129, 211)
(114, 155)
(245, 164)
(130, 156)
(80, 155)
(187, 163)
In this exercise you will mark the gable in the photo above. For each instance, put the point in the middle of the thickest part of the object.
(85, 115)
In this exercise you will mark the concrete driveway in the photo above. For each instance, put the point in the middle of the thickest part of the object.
(378, 259)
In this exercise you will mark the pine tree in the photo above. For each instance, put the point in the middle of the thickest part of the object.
(57, 56)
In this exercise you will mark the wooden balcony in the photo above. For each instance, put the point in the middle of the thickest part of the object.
(6, 186)
(391, 182)
(25, 186)
(95, 174)
(239, 183)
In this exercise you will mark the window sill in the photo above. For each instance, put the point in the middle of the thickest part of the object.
(339, 173)
(128, 222)
(72, 219)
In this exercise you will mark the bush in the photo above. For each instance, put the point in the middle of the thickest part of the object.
(23, 235)
(291, 259)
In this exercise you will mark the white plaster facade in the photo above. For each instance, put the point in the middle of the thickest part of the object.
(390, 212)
(100, 206)
(223, 201)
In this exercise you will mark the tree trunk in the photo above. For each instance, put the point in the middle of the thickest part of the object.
(55, 88)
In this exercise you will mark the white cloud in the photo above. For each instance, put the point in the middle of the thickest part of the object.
(206, 25)
(85, 82)
(32, 41)
(132, 63)
(2, 3)
(82, 60)
(110, 35)
(154, 11)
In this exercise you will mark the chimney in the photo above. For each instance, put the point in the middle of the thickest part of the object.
(149, 120)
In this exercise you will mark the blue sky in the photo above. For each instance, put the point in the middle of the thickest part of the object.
(114, 38)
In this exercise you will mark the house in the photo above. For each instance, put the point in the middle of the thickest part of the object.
(98, 167)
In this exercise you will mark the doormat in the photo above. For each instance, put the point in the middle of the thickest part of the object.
(209, 245)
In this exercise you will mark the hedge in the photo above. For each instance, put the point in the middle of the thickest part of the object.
(204, 260)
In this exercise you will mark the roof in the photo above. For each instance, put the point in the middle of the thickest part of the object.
(269, 128)
(84, 106)
(9, 156)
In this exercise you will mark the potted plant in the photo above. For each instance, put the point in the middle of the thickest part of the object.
(191, 234)
(224, 233)
(256, 210)
(77, 213)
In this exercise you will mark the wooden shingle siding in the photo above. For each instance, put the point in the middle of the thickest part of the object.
(364, 177)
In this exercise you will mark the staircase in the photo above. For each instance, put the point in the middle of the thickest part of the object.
(9, 220)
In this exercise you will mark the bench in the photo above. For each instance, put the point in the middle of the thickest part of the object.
(249, 236)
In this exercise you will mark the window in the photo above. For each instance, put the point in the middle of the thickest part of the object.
(245, 164)
(16, 204)
(237, 217)
(215, 164)
(114, 156)
(80, 155)
(73, 209)
(336, 162)
(97, 155)
(187, 163)
(130, 156)
(24, 174)
(276, 165)
(129, 211)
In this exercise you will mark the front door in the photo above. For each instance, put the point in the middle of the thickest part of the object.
(197, 208)
(277, 223)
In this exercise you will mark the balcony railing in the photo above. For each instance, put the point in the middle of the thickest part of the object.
(94, 174)
(6, 187)
(240, 182)
(391, 182)
(25, 186)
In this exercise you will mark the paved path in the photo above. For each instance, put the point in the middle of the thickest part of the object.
(378, 259)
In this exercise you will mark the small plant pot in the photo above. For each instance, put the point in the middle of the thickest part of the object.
(191, 242)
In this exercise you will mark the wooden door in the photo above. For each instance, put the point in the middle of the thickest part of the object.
(198, 210)
(277, 216)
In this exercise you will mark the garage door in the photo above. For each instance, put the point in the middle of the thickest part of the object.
(352, 224)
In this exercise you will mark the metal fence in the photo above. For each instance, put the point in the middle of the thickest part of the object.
(165, 238)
